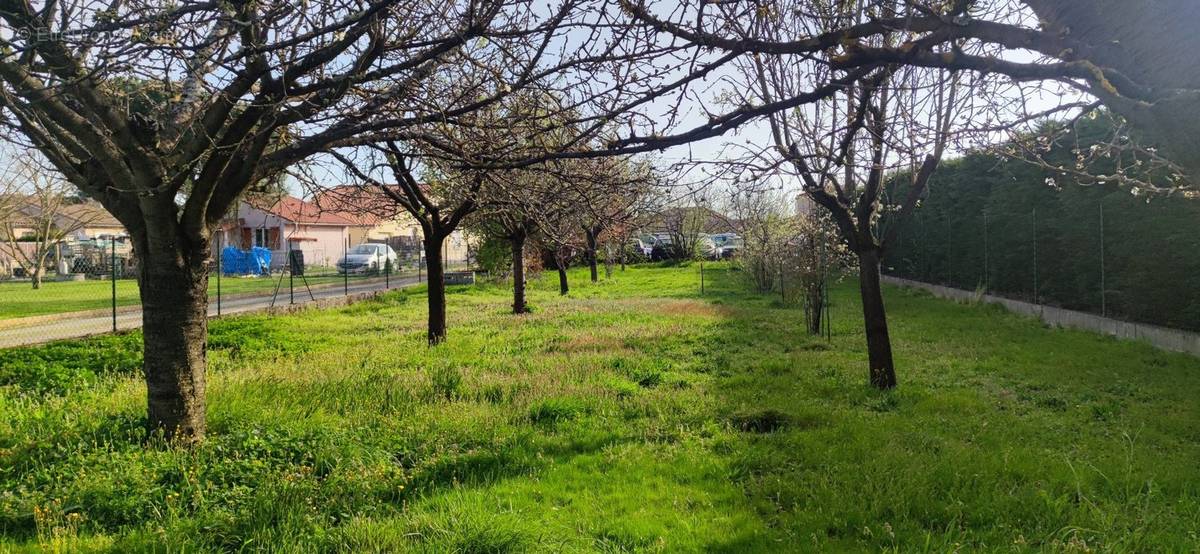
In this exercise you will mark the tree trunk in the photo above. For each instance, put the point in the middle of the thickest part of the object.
(437, 288)
(35, 276)
(814, 306)
(591, 255)
(518, 269)
(608, 261)
(174, 291)
(879, 344)
(560, 262)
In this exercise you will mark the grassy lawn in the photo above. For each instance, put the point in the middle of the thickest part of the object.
(18, 299)
(633, 415)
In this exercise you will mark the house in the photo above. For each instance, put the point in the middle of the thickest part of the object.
(289, 223)
(805, 206)
(380, 219)
(78, 222)
(83, 220)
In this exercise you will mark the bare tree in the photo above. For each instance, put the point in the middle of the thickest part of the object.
(561, 236)
(10, 198)
(438, 199)
(845, 170)
(816, 255)
(607, 192)
(762, 220)
(843, 147)
(684, 225)
(1125, 54)
(521, 206)
(165, 113)
(42, 214)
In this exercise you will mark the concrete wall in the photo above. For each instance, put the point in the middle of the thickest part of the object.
(1160, 337)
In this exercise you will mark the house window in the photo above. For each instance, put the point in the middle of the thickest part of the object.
(261, 238)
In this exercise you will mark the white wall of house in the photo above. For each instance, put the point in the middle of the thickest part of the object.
(322, 244)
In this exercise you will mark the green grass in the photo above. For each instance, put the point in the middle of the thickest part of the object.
(19, 299)
(633, 415)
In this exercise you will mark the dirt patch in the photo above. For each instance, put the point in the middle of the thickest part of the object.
(686, 308)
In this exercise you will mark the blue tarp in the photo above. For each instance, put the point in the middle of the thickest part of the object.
(256, 261)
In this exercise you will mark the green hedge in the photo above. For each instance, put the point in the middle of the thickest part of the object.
(1151, 248)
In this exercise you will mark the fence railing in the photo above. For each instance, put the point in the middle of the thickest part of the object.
(95, 290)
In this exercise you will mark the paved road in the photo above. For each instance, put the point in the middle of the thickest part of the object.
(92, 323)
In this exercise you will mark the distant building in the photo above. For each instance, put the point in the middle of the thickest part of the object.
(87, 219)
(379, 219)
(805, 206)
(290, 223)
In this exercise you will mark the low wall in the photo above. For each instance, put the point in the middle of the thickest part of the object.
(320, 303)
(1161, 337)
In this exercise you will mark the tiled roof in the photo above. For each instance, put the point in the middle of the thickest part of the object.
(91, 213)
(362, 205)
(88, 213)
(296, 210)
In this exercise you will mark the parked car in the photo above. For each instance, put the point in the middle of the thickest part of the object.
(367, 258)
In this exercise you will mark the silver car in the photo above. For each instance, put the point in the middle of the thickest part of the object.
(367, 258)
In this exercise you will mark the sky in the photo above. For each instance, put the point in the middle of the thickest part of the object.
(695, 107)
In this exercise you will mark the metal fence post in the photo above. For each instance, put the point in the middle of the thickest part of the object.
(949, 251)
(701, 277)
(291, 275)
(1103, 284)
(113, 277)
(986, 274)
(346, 270)
(1036, 298)
(220, 251)
(387, 274)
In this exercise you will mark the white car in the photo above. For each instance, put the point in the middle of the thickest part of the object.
(367, 258)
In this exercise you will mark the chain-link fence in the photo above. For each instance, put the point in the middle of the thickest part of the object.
(1096, 251)
(90, 287)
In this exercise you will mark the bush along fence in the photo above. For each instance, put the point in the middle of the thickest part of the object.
(1007, 228)
(1161, 337)
(91, 288)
